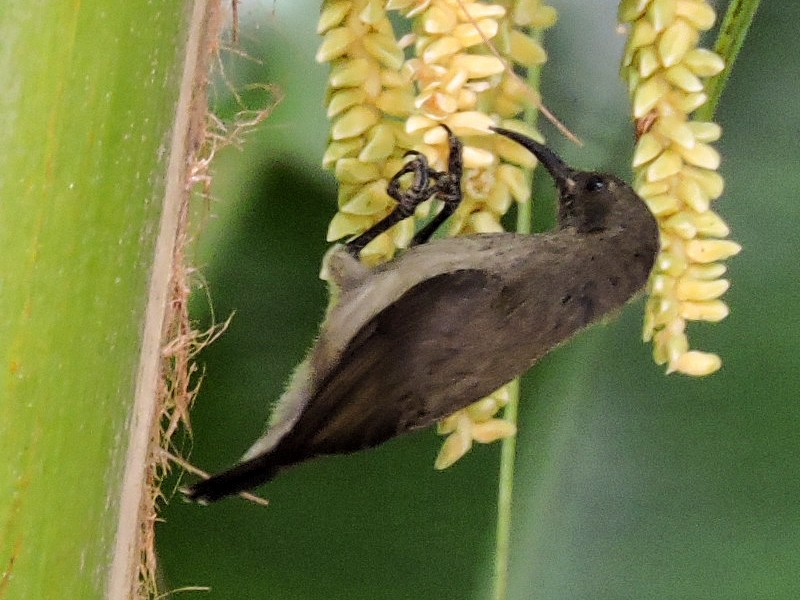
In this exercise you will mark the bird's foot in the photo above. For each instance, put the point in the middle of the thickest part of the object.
(445, 185)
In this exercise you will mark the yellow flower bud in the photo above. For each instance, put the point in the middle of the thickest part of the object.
(493, 430)
(352, 170)
(343, 99)
(354, 122)
(666, 165)
(676, 41)
(372, 13)
(525, 50)
(517, 183)
(647, 149)
(699, 14)
(648, 94)
(351, 73)
(713, 310)
(707, 251)
(477, 66)
(661, 13)
(335, 43)
(695, 289)
(703, 62)
(682, 77)
(385, 49)
(332, 14)
(344, 224)
(471, 34)
(697, 364)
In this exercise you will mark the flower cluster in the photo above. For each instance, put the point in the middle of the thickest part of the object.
(468, 88)
(381, 105)
(476, 423)
(370, 95)
(675, 173)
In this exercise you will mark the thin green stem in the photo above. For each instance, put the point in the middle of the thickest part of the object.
(505, 488)
(504, 492)
(732, 34)
(525, 210)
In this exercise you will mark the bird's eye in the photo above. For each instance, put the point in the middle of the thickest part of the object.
(595, 184)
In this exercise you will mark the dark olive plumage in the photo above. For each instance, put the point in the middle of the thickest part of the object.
(450, 321)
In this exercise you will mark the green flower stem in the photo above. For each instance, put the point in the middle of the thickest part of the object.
(732, 34)
(508, 451)
(505, 489)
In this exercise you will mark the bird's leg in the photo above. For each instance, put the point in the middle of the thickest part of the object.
(407, 201)
(447, 188)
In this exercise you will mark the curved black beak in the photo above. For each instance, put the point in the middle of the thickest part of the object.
(561, 172)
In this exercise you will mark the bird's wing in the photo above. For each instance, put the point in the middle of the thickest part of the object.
(416, 361)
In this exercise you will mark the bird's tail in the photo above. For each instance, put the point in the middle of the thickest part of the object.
(244, 476)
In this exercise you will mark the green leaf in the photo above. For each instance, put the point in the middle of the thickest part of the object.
(87, 110)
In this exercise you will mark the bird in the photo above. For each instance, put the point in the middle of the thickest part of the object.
(450, 320)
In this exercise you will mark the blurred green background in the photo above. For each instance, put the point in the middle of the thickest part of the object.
(630, 484)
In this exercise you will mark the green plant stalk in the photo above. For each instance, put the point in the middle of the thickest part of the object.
(502, 555)
(505, 489)
(732, 34)
(86, 113)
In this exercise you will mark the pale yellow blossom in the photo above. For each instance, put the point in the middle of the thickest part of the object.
(675, 173)
(370, 95)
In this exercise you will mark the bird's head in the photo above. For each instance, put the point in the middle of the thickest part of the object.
(589, 201)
